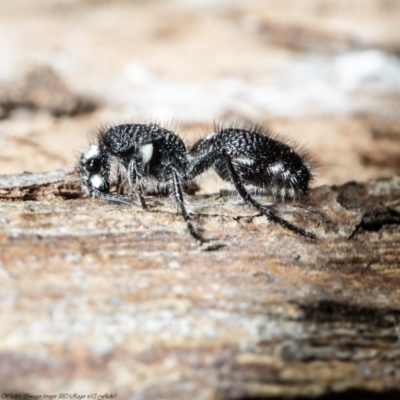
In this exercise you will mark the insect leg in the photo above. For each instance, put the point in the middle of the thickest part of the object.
(124, 199)
(120, 180)
(204, 164)
(132, 182)
(263, 209)
(176, 188)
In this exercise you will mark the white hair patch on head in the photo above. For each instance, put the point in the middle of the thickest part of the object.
(91, 152)
(97, 181)
(209, 136)
(147, 152)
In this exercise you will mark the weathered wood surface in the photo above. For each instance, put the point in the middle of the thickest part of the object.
(99, 297)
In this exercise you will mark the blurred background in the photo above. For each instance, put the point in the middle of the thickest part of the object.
(325, 74)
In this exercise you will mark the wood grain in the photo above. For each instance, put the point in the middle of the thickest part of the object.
(105, 298)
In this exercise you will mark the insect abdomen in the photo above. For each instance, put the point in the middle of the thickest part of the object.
(264, 162)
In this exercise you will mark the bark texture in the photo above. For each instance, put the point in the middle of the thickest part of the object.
(105, 298)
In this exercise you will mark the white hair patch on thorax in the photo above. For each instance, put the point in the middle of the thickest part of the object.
(147, 152)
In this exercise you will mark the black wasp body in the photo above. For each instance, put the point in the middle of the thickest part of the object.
(251, 157)
(150, 154)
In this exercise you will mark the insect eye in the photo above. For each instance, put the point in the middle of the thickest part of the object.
(93, 165)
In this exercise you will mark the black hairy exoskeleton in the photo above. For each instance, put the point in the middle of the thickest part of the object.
(252, 157)
(149, 153)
